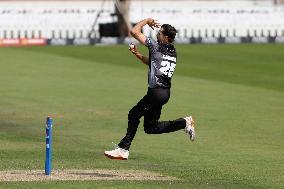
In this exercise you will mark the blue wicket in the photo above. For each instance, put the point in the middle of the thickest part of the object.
(48, 154)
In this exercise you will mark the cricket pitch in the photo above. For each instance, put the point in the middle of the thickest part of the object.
(97, 174)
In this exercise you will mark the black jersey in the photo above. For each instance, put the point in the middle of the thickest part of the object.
(162, 63)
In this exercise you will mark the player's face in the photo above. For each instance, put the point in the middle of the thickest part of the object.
(161, 37)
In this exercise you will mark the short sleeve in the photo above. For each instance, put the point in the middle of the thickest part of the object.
(151, 44)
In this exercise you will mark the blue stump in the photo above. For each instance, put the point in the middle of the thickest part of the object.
(48, 154)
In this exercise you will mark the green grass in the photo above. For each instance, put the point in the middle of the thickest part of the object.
(235, 92)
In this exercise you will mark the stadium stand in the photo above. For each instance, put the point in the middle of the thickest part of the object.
(63, 22)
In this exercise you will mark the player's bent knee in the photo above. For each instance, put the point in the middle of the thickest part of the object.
(148, 131)
(149, 128)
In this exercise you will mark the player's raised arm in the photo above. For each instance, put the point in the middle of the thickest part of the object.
(136, 30)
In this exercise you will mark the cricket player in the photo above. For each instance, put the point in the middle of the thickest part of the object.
(161, 63)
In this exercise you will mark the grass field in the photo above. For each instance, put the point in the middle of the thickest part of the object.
(235, 92)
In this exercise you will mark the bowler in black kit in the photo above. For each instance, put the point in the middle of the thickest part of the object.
(161, 63)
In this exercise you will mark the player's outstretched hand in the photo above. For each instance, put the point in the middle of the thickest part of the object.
(153, 23)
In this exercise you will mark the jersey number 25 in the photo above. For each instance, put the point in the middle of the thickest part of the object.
(167, 68)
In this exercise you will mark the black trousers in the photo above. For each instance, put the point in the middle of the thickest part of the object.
(150, 107)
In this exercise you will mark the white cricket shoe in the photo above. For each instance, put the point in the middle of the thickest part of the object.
(117, 153)
(189, 129)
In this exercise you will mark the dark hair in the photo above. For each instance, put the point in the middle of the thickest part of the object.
(169, 31)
